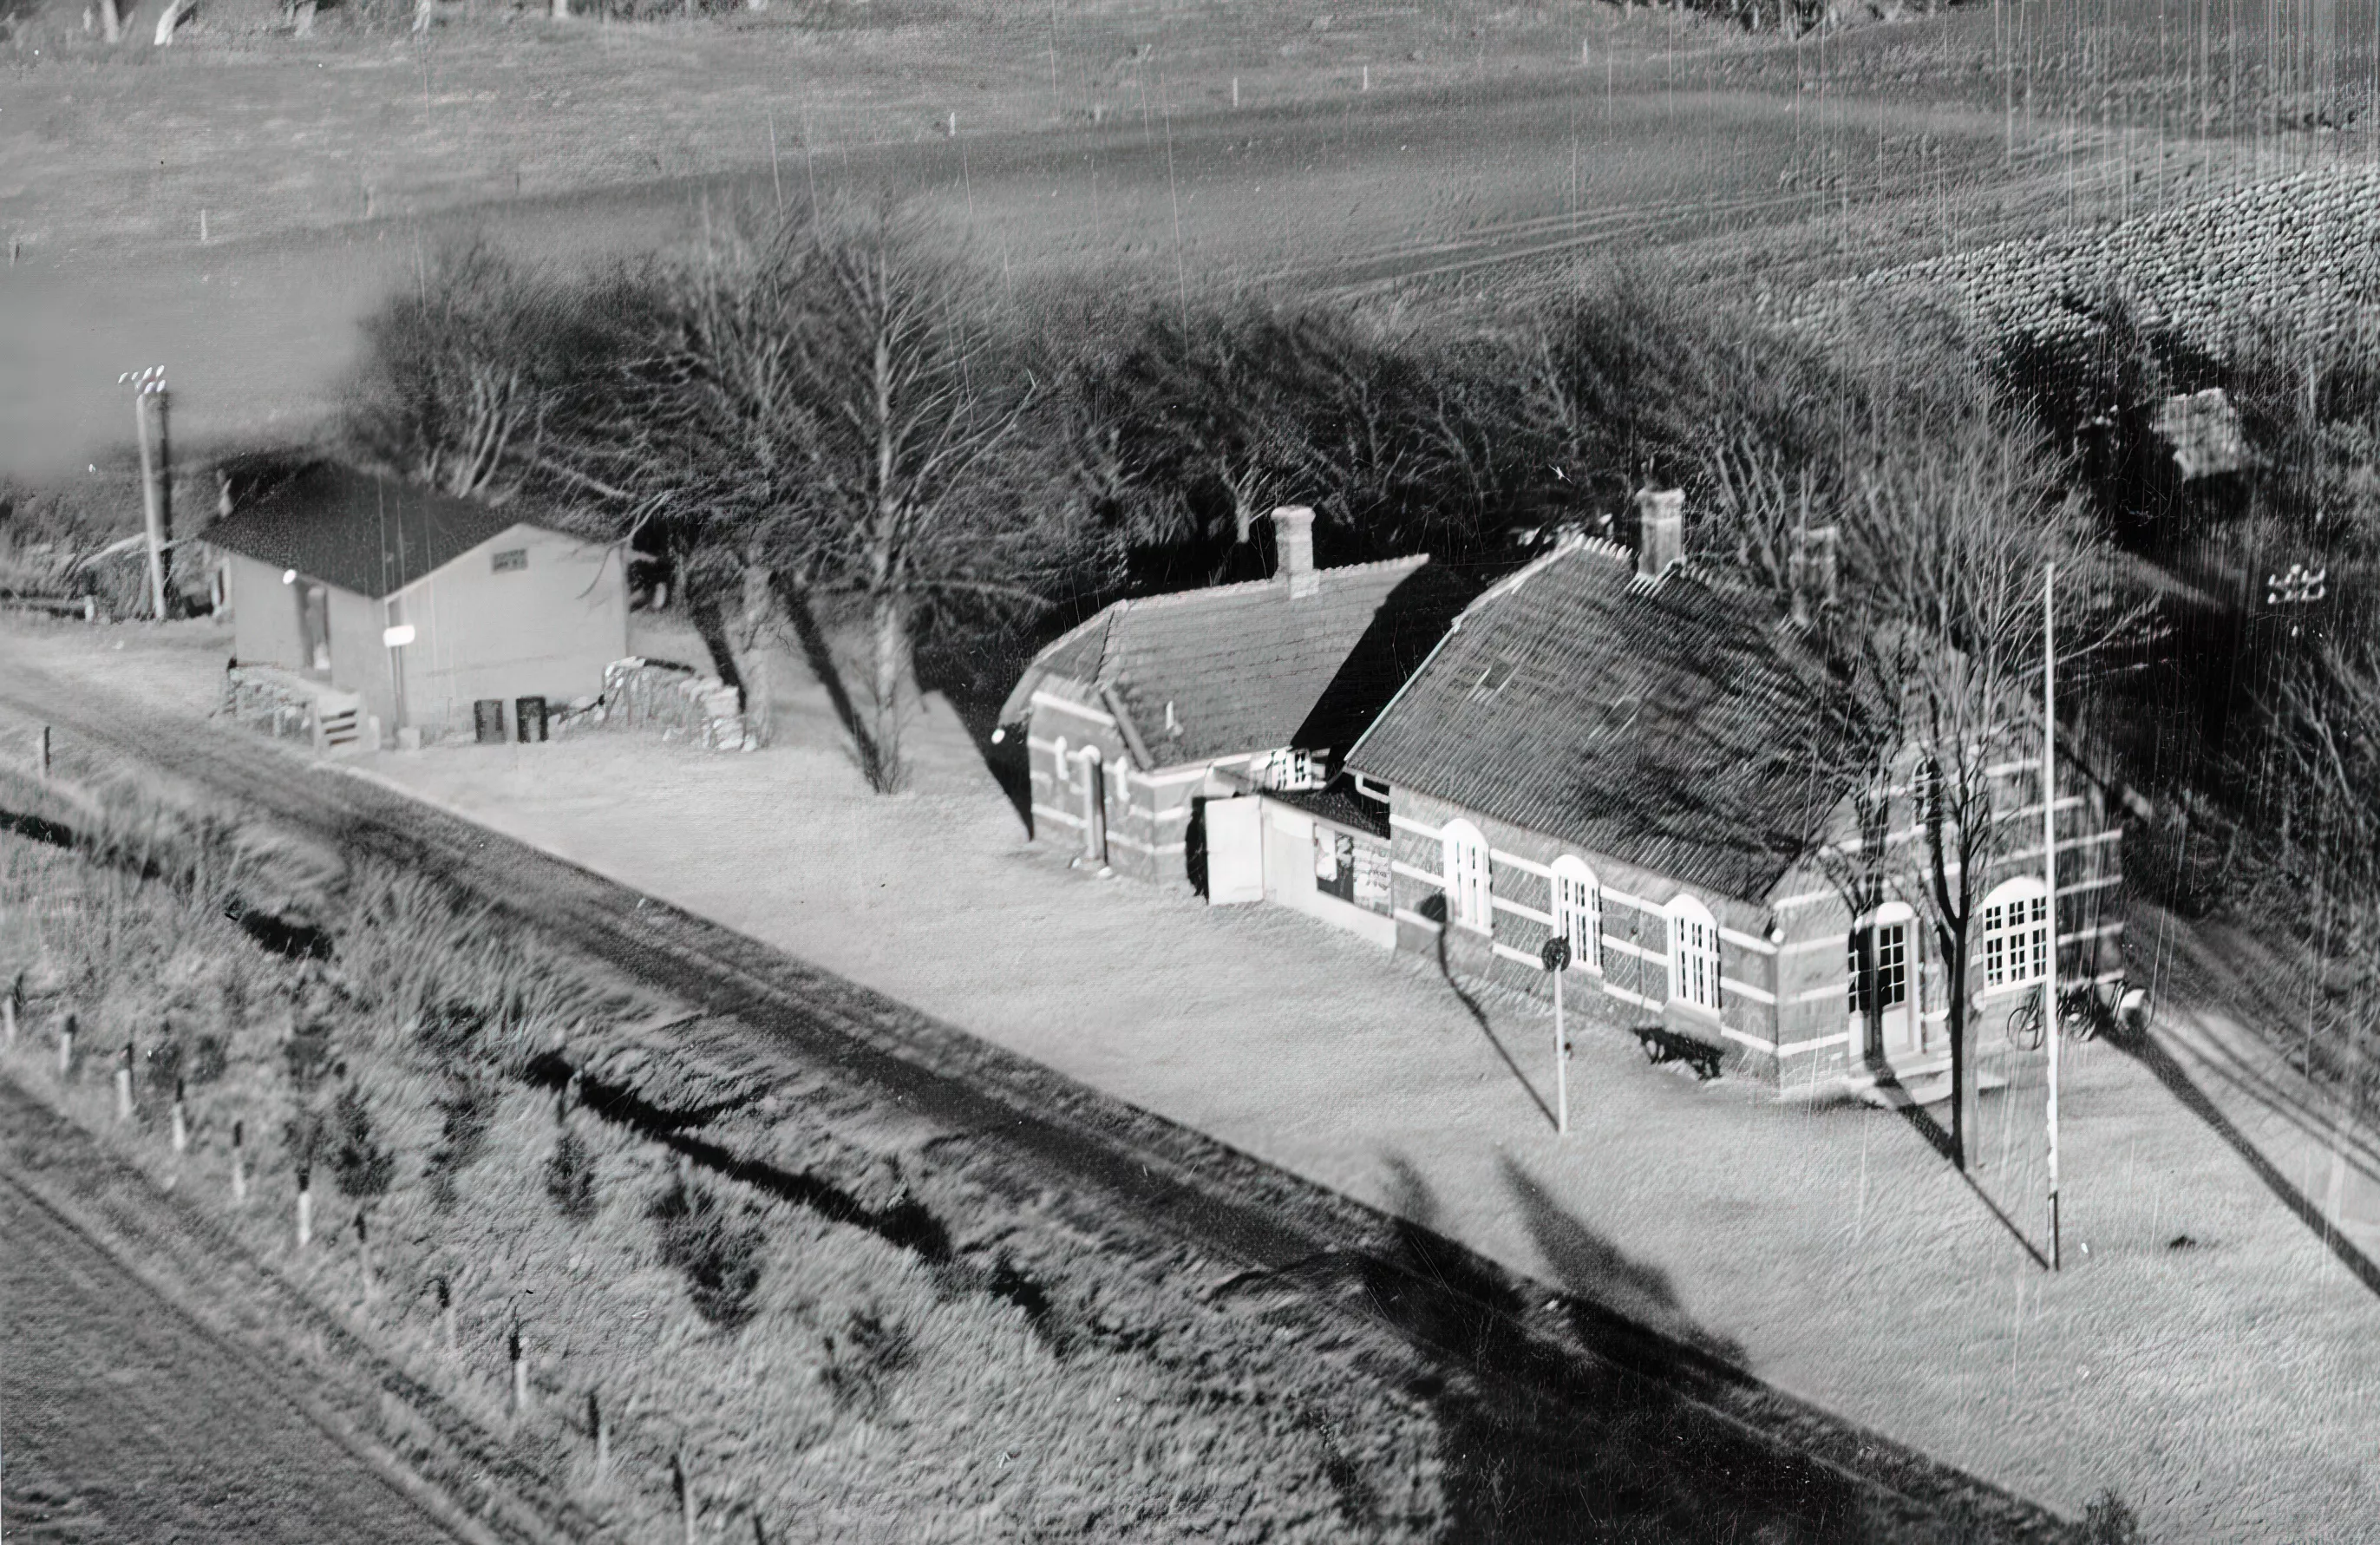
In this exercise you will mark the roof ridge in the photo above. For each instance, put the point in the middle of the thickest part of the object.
(1277, 581)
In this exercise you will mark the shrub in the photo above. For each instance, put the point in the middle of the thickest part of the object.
(464, 1113)
(209, 1061)
(717, 1252)
(570, 1177)
(359, 1166)
(2106, 1521)
(165, 1060)
(862, 1359)
(307, 1054)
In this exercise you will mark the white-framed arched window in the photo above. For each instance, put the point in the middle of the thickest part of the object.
(1578, 912)
(1694, 953)
(1467, 895)
(2016, 934)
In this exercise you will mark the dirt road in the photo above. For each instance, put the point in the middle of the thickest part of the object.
(124, 1419)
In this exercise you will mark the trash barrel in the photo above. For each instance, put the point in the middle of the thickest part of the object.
(488, 721)
(529, 713)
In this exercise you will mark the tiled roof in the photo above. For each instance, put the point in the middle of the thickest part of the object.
(1338, 802)
(1661, 724)
(363, 533)
(1249, 667)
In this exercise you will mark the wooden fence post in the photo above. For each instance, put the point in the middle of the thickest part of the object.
(684, 1485)
(238, 1163)
(181, 1121)
(599, 1422)
(363, 1253)
(124, 1083)
(520, 1369)
(8, 1010)
(447, 1316)
(304, 1209)
(65, 1049)
(42, 755)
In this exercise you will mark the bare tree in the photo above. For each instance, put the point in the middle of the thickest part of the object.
(698, 430)
(1949, 543)
(469, 371)
(906, 411)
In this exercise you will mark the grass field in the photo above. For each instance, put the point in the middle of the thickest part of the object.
(1447, 153)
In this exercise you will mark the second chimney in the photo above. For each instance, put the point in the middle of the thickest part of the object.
(1293, 537)
(1660, 530)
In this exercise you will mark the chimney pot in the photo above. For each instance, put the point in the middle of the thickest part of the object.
(1292, 529)
(1660, 530)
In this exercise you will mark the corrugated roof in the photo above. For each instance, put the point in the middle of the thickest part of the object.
(1661, 724)
(1246, 668)
(368, 534)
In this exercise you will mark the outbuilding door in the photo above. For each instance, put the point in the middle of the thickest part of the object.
(314, 626)
(1095, 807)
(1234, 851)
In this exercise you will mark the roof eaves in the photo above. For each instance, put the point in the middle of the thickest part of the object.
(1018, 705)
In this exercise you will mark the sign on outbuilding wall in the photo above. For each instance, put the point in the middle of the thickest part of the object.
(1234, 851)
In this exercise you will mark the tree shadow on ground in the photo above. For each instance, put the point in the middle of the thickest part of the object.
(1628, 1444)
(1586, 1264)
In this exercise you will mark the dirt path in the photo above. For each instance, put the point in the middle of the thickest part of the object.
(124, 1419)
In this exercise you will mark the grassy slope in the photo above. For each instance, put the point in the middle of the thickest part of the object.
(1133, 1416)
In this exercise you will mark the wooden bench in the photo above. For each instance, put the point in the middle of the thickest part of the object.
(1665, 1046)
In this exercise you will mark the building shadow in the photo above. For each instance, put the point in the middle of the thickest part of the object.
(2146, 1050)
(972, 675)
(1634, 1441)
(1433, 908)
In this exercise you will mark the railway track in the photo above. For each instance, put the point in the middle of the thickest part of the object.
(1105, 1164)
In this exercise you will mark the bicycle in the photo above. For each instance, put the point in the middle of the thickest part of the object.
(2082, 1013)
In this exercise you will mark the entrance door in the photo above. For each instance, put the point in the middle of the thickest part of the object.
(1095, 807)
(314, 627)
(1884, 1012)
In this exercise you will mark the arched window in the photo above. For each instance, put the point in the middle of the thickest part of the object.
(2016, 934)
(1578, 912)
(1694, 953)
(1467, 895)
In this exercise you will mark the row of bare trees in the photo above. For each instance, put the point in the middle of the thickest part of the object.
(833, 426)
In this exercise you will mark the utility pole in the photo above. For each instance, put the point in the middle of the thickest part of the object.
(1556, 956)
(149, 416)
(2049, 870)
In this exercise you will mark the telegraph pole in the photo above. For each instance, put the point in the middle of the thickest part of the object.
(1556, 956)
(2049, 870)
(149, 416)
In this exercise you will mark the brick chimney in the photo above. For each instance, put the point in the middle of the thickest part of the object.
(1293, 533)
(1660, 532)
